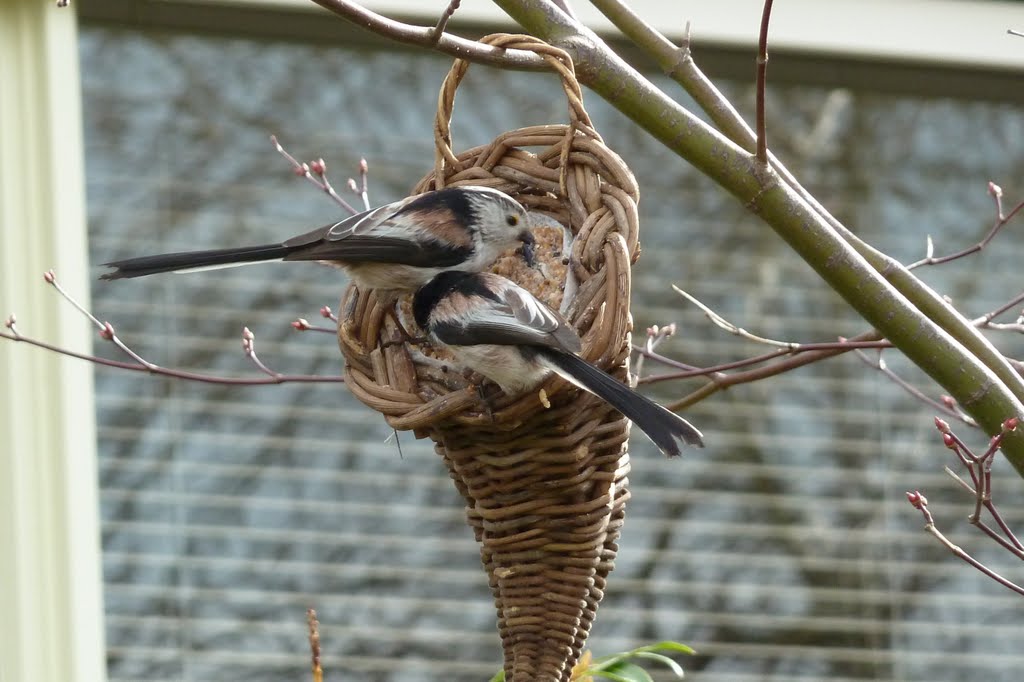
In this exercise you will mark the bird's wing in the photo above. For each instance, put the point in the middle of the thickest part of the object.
(394, 233)
(512, 317)
(372, 249)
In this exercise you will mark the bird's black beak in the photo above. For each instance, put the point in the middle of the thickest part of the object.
(528, 248)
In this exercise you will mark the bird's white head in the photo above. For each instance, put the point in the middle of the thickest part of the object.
(500, 221)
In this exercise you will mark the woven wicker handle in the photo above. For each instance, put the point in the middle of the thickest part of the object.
(446, 163)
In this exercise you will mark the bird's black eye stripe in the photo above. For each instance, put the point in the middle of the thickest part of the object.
(476, 286)
(455, 199)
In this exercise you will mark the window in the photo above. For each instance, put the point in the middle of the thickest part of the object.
(784, 551)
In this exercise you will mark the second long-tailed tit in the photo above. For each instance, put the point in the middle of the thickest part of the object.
(401, 245)
(497, 328)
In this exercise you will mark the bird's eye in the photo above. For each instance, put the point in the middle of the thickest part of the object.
(512, 220)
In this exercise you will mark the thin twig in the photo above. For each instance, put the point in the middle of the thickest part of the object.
(688, 371)
(423, 36)
(655, 336)
(721, 382)
(882, 367)
(317, 168)
(301, 324)
(979, 467)
(327, 313)
(249, 348)
(985, 320)
(818, 351)
(762, 80)
(723, 323)
(140, 364)
(996, 192)
(105, 328)
(158, 370)
(921, 503)
(364, 187)
(442, 22)
(679, 65)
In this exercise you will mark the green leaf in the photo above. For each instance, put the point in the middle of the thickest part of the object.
(668, 646)
(500, 677)
(623, 671)
(664, 660)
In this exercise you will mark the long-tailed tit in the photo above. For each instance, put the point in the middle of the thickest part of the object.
(497, 328)
(396, 246)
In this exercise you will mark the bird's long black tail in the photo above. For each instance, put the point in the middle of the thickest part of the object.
(194, 260)
(660, 425)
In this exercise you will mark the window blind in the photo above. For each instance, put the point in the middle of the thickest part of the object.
(783, 551)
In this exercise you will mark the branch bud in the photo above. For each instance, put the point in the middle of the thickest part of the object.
(50, 276)
(300, 324)
(941, 425)
(325, 311)
(917, 499)
(319, 166)
(1010, 424)
(107, 333)
(248, 340)
(995, 190)
(949, 441)
(10, 321)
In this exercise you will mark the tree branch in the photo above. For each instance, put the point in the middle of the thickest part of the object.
(678, 64)
(427, 36)
(762, 82)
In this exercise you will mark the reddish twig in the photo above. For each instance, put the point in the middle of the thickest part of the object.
(315, 172)
(791, 355)
(140, 364)
(690, 371)
(442, 22)
(655, 335)
(920, 502)
(303, 325)
(762, 80)
(454, 46)
(940, 405)
(979, 467)
(361, 189)
(996, 192)
(799, 358)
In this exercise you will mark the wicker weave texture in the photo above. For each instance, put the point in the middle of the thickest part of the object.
(545, 486)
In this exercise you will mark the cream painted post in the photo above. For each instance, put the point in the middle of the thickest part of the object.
(51, 607)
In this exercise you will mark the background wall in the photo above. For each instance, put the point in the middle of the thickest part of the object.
(784, 551)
